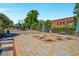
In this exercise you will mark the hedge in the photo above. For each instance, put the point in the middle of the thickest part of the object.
(67, 30)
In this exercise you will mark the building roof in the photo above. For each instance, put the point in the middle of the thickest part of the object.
(63, 19)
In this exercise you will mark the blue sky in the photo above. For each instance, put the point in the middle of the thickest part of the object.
(51, 11)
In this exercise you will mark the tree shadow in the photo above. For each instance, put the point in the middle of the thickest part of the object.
(9, 36)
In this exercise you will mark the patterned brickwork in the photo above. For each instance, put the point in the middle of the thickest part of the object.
(29, 44)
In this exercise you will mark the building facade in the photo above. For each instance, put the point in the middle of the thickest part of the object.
(63, 22)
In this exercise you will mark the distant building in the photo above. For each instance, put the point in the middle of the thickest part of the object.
(62, 22)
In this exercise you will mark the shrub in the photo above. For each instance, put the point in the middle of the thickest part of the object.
(68, 30)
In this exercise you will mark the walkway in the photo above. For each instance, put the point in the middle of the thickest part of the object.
(7, 44)
(34, 43)
(7, 47)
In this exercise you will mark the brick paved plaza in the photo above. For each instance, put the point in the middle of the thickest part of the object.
(34, 43)
(7, 46)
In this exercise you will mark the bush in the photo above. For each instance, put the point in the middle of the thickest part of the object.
(68, 30)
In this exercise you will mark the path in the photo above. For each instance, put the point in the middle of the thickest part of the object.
(34, 43)
(7, 45)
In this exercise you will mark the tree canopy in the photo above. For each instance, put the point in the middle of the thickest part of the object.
(76, 10)
(31, 18)
(5, 21)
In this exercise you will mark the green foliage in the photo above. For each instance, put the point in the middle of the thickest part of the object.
(67, 30)
(76, 10)
(31, 18)
(22, 25)
(75, 22)
(1, 29)
(27, 25)
(5, 21)
(39, 26)
(47, 26)
(34, 26)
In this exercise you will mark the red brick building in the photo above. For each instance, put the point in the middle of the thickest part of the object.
(63, 22)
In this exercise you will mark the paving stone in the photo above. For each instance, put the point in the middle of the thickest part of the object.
(10, 53)
(7, 48)
(63, 53)
(4, 53)
(75, 47)
(27, 45)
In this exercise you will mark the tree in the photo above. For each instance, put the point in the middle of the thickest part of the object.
(31, 17)
(34, 26)
(76, 13)
(39, 26)
(5, 21)
(46, 26)
(76, 10)
(0, 29)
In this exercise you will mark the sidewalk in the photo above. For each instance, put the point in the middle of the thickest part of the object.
(29, 44)
(7, 47)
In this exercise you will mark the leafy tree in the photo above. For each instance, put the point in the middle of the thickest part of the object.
(76, 13)
(5, 21)
(39, 26)
(76, 10)
(0, 29)
(47, 26)
(31, 17)
(34, 26)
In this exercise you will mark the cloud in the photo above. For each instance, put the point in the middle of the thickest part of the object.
(6, 9)
(2, 9)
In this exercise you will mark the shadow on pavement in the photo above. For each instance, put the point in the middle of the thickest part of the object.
(8, 36)
(11, 35)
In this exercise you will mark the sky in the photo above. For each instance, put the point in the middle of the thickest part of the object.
(47, 11)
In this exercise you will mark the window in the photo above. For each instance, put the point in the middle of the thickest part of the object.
(60, 23)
